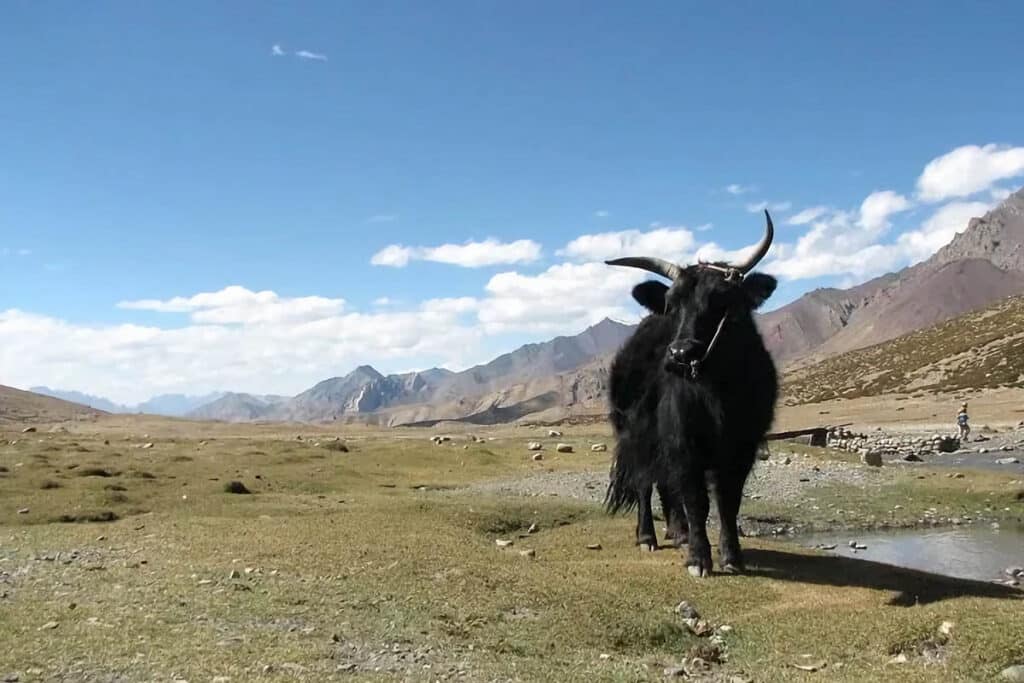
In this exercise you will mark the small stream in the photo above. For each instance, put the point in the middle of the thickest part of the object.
(976, 552)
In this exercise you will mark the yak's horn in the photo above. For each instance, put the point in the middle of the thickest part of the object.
(762, 247)
(649, 263)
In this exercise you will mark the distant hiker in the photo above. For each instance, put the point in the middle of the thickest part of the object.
(961, 423)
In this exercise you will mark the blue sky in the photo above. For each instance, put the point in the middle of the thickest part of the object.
(152, 151)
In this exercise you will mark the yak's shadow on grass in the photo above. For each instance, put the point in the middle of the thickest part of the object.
(912, 587)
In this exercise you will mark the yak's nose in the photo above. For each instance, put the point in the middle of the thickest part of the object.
(684, 351)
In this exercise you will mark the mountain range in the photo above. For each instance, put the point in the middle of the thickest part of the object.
(171, 405)
(567, 376)
(531, 379)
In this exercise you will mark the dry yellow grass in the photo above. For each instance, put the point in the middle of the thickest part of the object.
(377, 565)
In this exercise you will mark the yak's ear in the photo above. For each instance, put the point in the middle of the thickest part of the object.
(651, 295)
(758, 288)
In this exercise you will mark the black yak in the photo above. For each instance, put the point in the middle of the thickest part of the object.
(692, 396)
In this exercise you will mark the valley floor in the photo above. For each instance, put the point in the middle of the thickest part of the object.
(123, 558)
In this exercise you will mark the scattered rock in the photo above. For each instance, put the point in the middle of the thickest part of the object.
(23, 511)
(604, 657)
(912, 457)
(236, 487)
(234, 574)
(49, 626)
(946, 629)
(599, 448)
(533, 528)
(901, 658)
(593, 546)
(147, 445)
(28, 430)
(699, 627)
(503, 543)
(871, 458)
(528, 553)
(675, 672)
(534, 446)
(1014, 674)
(537, 457)
(553, 433)
(1007, 461)
(983, 450)
(1014, 571)
(563, 448)
(687, 611)
(809, 663)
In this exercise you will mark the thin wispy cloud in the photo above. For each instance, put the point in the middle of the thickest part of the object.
(7, 251)
(489, 252)
(758, 207)
(277, 50)
(602, 213)
(808, 215)
(737, 189)
(315, 56)
(382, 218)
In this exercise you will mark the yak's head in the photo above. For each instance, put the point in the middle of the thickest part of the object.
(702, 300)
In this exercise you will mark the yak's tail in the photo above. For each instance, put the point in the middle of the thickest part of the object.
(621, 494)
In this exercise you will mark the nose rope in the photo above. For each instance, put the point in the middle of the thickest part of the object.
(695, 364)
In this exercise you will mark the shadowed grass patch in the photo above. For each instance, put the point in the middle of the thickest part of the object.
(86, 517)
(96, 472)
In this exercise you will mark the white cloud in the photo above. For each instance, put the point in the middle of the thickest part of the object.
(602, 213)
(758, 207)
(670, 243)
(808, 215)
(277, 51)
(7, 251)
(564, 299)
(489, 252)
(999, 193)
(383, 301)
(968, 170)
(238, 305)
(737, 189)
(315, 56)
(237, 339)
(453, 305)
(877, 207)
(394, 255)
(940, 228)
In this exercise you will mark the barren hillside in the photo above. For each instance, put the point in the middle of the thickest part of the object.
(980, 350)
(24, 406)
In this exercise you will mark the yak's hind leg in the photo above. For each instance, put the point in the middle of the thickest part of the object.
(695, 500)
(677, 530)
(646, 537)
(728, 496)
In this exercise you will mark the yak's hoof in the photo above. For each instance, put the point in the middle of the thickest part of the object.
(680, 541)
(648, 547)
(698, 572)
(732, 568)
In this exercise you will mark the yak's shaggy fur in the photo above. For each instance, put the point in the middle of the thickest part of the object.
(677, 431)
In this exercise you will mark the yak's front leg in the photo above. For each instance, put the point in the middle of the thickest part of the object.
(695, 500)
(646, 537)
(728, 496)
